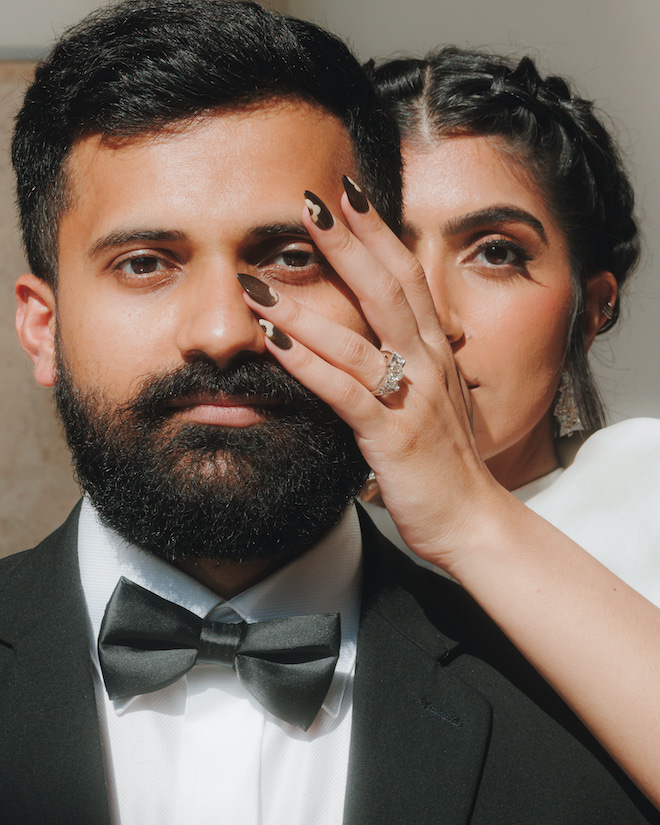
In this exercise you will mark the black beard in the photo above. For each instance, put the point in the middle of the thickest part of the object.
(193, 491)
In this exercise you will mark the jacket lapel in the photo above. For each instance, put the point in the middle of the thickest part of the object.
(47, 698)
(419, 733)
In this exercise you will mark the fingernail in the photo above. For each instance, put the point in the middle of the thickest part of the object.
(258, 290)
(318, 211)
(356, 196)
(279, 338)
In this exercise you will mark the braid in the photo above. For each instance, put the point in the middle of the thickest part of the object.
(557, 135)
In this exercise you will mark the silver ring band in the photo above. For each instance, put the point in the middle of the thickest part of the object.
(393, 374)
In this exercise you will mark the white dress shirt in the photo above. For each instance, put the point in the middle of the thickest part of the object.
(203, 750)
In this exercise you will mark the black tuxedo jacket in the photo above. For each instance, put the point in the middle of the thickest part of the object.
(450, 725)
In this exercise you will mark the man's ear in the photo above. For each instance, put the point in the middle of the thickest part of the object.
(35, 325)
(600, 295)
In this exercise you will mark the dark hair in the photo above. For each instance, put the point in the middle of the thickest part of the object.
(574, 160)
(137, 66)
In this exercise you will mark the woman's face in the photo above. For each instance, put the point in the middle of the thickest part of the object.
(498, 269)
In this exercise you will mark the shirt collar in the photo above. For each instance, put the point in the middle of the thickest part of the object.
(324, 579)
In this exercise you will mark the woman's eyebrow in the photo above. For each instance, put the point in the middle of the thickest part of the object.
(493, 215)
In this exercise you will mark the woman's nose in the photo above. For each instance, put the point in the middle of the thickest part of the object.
(450, 321)
(446, 299)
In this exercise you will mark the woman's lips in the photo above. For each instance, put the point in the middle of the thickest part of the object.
(470, 383)
(224, 411)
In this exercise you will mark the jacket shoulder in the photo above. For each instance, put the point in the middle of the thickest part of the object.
(39, 576)
(431, 660)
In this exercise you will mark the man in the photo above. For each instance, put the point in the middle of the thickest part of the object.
(163, 148)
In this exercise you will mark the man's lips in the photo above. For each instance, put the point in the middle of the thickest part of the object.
(226, 411)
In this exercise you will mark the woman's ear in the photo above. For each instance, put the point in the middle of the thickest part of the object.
(35, 326)
(600, 297)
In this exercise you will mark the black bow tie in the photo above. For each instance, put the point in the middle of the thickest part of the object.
(147, 643)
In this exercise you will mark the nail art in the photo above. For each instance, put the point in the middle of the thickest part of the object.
(356, 196)
(318, 211)
(258, 290)
(279, 338)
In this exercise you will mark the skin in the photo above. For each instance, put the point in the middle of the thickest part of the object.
(205, 189)
(499, 275)
(150, 249)
(568, 614)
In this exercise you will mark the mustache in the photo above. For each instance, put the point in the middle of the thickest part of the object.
(244, 377)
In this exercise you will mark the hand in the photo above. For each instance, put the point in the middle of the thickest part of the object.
(418, 440)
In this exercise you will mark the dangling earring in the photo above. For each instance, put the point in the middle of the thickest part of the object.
(566, 413)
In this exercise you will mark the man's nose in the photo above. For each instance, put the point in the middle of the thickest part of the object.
(214, 320)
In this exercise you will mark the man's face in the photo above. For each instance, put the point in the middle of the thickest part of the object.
(160, 226)
(159, 355)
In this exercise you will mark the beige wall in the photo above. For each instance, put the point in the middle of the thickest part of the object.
(36, 488)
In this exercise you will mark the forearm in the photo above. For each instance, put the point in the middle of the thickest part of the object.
(593, 638)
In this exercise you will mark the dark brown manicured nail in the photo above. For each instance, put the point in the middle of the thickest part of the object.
(258, 290)
(356, 196)
(318, 211)
(279, 338)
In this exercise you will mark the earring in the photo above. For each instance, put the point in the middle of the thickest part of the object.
(371, 491)
(565, 412)
(608, 311)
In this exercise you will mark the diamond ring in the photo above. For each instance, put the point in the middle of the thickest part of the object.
(393, 374)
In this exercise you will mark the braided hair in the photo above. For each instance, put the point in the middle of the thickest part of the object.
(559, 138)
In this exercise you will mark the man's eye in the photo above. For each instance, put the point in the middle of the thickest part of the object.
(143, 265)
(295, 258)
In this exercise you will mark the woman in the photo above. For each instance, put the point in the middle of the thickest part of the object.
(556, 146)
(524, 260)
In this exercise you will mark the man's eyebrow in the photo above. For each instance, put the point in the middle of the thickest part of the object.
(274, 230)
(493, 215)
(123, 237)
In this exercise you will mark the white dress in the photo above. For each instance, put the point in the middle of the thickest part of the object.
(606, 497)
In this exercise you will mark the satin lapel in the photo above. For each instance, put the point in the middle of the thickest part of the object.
(52, 767)
(419, 734)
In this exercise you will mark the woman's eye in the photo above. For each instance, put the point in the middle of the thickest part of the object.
(142, 265)
(501, 253)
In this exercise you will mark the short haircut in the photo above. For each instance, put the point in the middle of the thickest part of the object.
(135, 67)
(560, 139)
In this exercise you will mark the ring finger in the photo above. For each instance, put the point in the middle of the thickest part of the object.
(350, 351)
